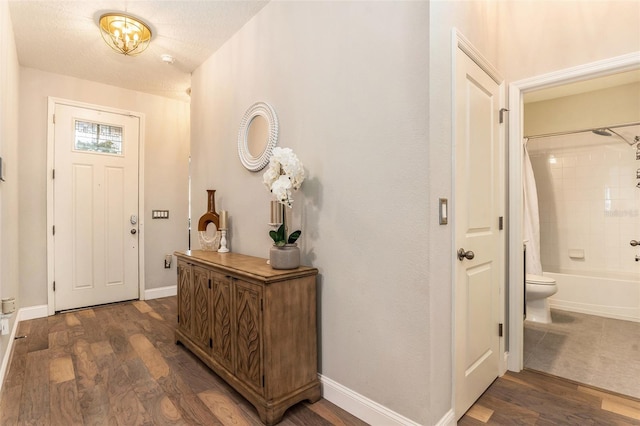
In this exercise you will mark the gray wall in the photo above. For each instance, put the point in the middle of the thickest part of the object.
(349, 84)
(166, 154)
(9, 217)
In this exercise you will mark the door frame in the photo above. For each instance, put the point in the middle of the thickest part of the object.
(517, 90)
(459, 41)
(51, 105)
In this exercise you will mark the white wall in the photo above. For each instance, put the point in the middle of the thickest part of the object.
(165, 173)
(349, 84)
(540, 37)
(9, 217)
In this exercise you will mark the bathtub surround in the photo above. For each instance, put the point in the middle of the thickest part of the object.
(588, 202)
(597, 351)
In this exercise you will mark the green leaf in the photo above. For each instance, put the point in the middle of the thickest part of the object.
(294, 236)
(274, 236)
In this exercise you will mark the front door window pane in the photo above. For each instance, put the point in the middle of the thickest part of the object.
(99, 138)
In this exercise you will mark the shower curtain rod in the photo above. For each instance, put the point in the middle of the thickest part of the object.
(571, 132)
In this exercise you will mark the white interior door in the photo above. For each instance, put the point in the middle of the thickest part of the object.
(479, 201)
(95, 196)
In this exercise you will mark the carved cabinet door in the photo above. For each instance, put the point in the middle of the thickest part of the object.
(248, 323)
(222, 320)
(185, 297)
(201, 327)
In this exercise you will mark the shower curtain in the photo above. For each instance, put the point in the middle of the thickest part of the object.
(531, 215)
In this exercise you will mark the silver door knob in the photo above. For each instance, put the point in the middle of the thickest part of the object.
(133, 232)
(462, 255)
(633, 243)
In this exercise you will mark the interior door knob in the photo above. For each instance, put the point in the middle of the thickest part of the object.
(462, 255)
(634, 243)
(133, 231)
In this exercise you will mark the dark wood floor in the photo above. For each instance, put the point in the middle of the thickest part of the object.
(119, 365)
(532, 398)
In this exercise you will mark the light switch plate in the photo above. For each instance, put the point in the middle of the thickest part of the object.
(443, 213)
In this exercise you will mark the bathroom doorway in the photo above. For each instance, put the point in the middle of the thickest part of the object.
(561, 80)
(589, 213)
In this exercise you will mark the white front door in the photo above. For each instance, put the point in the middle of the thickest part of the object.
(95, 213)
(479, 204)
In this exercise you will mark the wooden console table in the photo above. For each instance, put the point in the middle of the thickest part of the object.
(252, 325)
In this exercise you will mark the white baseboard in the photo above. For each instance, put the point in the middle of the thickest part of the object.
(7, 354)
(360, 406)
(449, 419)
(32, 312)
(24, 314)
(157, 293)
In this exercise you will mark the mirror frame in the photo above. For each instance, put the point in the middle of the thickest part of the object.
(248, 160)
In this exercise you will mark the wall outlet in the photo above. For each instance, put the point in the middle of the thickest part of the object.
(167, 261)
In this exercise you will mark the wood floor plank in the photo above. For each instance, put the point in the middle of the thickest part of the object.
(151, 395)
(10, 404)
(64, 404)
(38, 338)
(119, 365)
(224, 408)
(480, 412)
(151, 357)
(191, 406)
(61, 370)
(530, 398)
(34, 404)
(334, 414)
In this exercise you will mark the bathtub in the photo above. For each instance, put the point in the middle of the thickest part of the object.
(612, 295)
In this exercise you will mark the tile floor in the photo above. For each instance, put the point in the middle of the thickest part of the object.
(593, 350)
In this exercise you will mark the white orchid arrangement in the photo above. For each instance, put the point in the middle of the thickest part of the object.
(285, 174)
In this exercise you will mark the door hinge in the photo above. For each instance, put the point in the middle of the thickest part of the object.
(53, 174)
(54, 230)
(54, 119)
(211, 343)
(500, 330)
(54, 286)
(502, 111)
(501, 223)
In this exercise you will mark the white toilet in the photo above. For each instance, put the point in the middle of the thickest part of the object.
(538, 290)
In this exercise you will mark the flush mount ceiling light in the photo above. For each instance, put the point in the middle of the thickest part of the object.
(124, 34)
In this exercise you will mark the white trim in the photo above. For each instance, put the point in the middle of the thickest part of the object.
(476, 56)
(32, 312)
(157, 293)
(449, 419)
(361, 406)
(51, 104)
(517, 89)
(8, 353)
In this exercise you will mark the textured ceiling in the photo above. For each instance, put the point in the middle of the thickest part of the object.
(63, 37)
